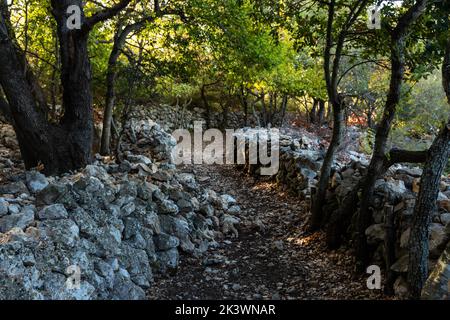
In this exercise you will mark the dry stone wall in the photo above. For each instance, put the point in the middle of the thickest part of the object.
(300, 162)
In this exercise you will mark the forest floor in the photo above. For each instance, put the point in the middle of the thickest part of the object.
(273, 257)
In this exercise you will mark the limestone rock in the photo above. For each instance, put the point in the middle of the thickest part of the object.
(20, 220)
(375, 233)
(401, 265)
(53, 212)
(3, 207)
(36, 181)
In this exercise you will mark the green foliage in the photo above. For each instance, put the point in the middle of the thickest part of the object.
(232, 48)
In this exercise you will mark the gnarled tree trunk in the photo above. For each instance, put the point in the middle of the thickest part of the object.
(437, 160)
(67, 145)
(376, 166)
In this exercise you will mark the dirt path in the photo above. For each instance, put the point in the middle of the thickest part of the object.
(271, 259)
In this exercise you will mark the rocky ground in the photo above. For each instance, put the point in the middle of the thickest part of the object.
(141, 228)
(272, 257)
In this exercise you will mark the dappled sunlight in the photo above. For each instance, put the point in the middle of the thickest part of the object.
(304, 241)
(266, 186)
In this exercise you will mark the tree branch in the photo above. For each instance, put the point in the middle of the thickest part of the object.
(405, 156)
(106, 14)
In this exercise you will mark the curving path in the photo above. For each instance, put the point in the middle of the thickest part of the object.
(273, 258)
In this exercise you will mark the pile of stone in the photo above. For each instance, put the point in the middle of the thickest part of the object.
(172, 117)
(299, 159)
(300, 163)
(396, 194)
(10, 159)
(103, 232)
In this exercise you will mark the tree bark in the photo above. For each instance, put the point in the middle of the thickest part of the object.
(332, 78)
(206, 106)
(376, 166)
(119, 41)
(325, 172)
(67, 145)
(437, 160)
(313, 113)
(5, 110)
(120, 38)
(284, 106)
(340, 221)
(321, 112)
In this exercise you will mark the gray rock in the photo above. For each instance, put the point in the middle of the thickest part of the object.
(404, 239)
(57, 289)
(164, 242)
(184, 205)
(401, 265)
(145, 191)
(136, 262)
(114, 225)
(438, 239)
(437, 284)
(162, 176)
(234, 210)
(108, 240)
(394, 190)
(96, 171)
(53, 212)
(14, 188)
(445, 218)
(168, 260)
(127, 209)
(401, 288)
(64, 231)
(152, 221)
(36, 181)
(53, 193)
(168, 207)
(139, 159)
(207, 209)
(14, 208)
(375, 233)
(3, 207)
(125, 289)
(20, 220)
(227, 201)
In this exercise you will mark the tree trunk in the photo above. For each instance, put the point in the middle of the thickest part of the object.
(244, 102)
(321, 112)
(332, 79)
(425, 206)
(206, 106)
(313, 113)
(340, 221)
(120, 38)
(390, 243)
(65, 146)
(76, 82)
(119, 42)
(284, 105)
(264, 108)
(437, 160)
(325, 172)
(376, 167)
